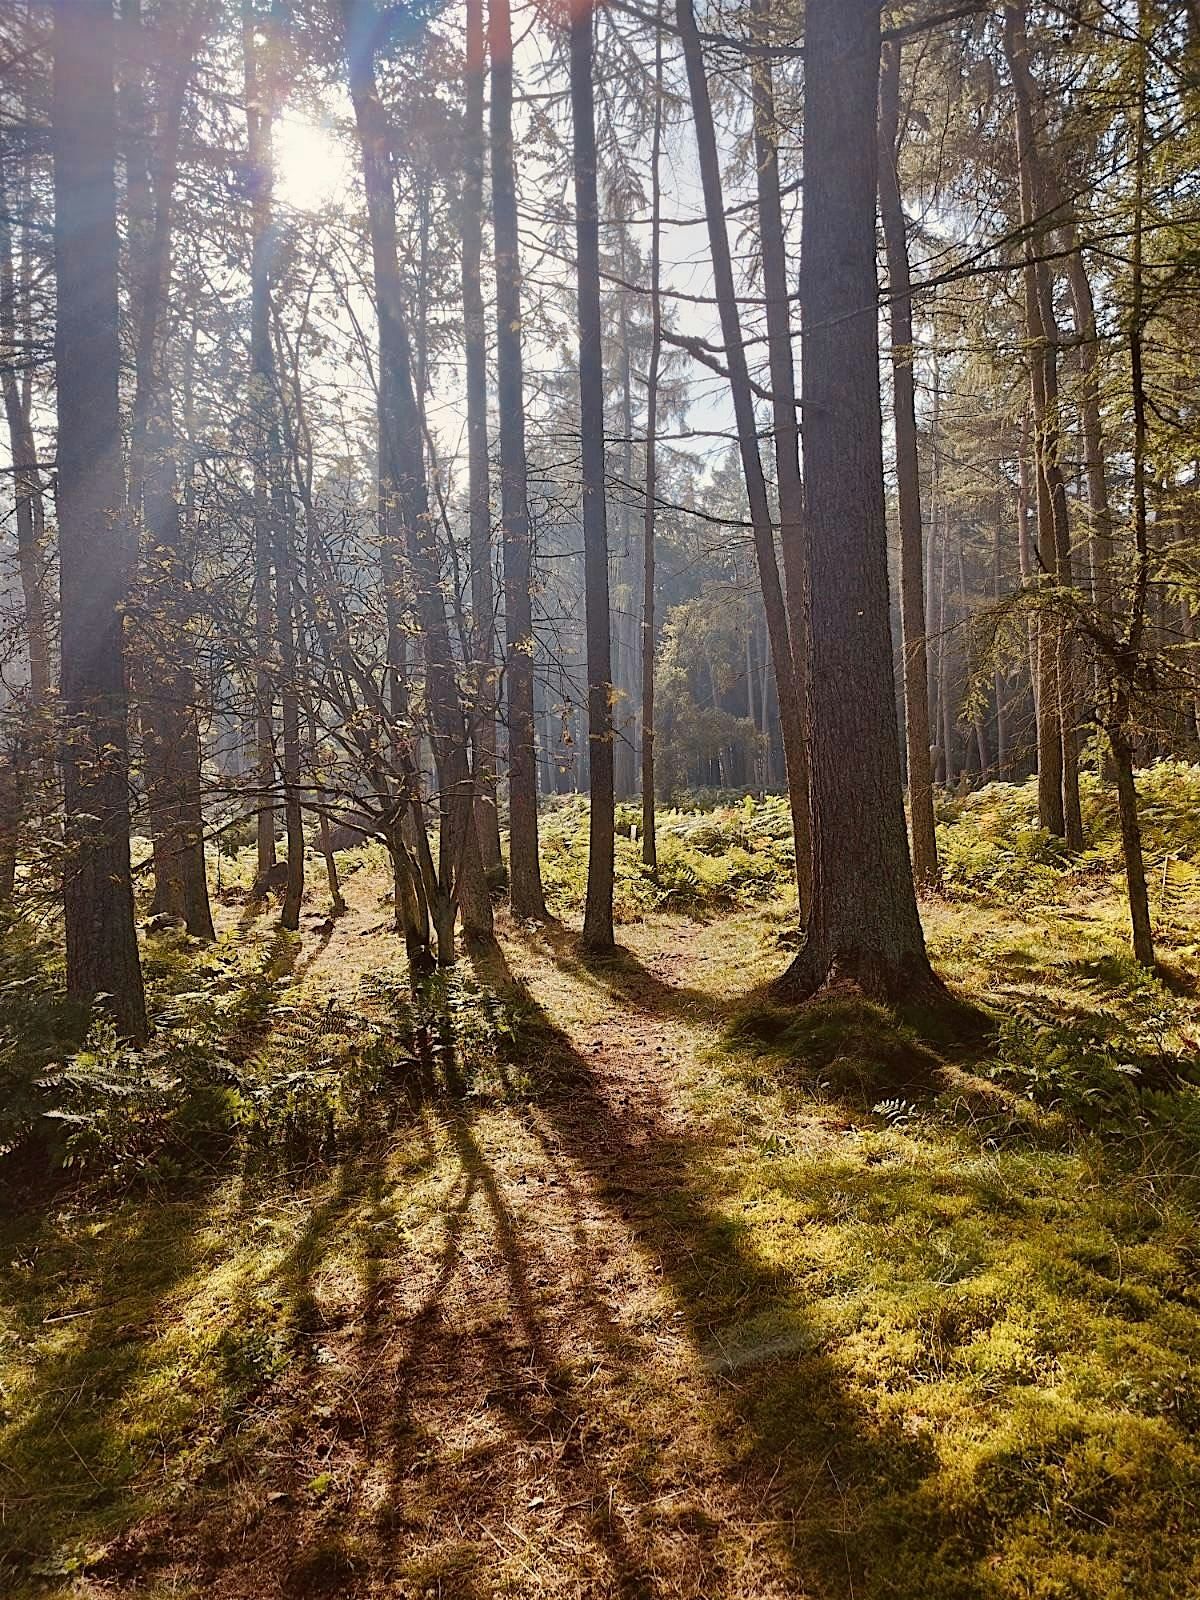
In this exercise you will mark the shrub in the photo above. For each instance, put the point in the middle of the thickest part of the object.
(708, 861)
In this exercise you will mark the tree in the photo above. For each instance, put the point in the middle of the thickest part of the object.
(598, 905)
(649, 826)
(102, 950)
(460, 883)
(1058, 762)
(163, 662)
(789, 484)
(863, 923)
(790, 711)
(908, 473)
(483, 618)
(525, 873)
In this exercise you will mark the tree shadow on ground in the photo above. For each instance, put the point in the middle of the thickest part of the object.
(754, 1428)
(624, 977)
(562, 1358)
(73, 1459)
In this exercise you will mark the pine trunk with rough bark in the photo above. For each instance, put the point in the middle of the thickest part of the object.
(164, 663)
(524, 867)
(259, 111)
(863, 923)
(598, 903)
(28, 486)
(649, 822)
(101, 940)
(1058, 699)
(791, 714)
(784, 415)
(483, 600)
(908, 475)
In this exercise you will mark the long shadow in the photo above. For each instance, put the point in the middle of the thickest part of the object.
(624, 977)
(768, 1376)
(70, 1461)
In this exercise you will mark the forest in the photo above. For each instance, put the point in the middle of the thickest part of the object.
(600, 799)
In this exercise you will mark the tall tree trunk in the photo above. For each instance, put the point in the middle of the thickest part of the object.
(1058, 699)
(460, 882)
(28, 488)
(102, 951)
(626, 660)
(1120, 721)
(649, 823)
(998, 683)
(483, 601)
(784, 417)
(289, 707)
(1025, 559)
(1099, 512)
(170, 731)
(525, 874)
(863, 924)
(259, 113)
(908, 474)
(598, 903)
(791, 713)
(164, 665)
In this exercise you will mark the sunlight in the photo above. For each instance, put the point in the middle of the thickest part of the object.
(311, 164)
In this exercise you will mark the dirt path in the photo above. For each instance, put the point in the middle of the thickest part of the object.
(510, 1385)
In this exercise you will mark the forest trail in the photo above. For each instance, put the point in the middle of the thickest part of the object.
(516, 1389)
(608, 1288)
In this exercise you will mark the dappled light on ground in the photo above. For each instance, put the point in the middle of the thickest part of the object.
(630, 1289)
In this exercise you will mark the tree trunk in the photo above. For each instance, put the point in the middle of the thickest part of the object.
(791, 714)
(28, 488)
(164, 664)
(289, 704)
(483, 600)
(102, 950)
(1002, 753)
(1099, 512)
(460, 882)
(170, 729)
(784, 416)
(1058, 699)
(598, 903)
(525, 874)
(863, 924)
(1131, 836)
(908, 474)
(259, 112)
(649, 822)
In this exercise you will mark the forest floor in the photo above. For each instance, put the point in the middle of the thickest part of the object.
(641, 1293)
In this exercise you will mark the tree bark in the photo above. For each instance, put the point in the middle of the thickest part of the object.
(791, 714)
(460, 882)
(525, 874)
(289, 705)
(908, 474)
(102, 950)
(259, 112)
(1058, 699)
(483, 601)
(863, 923)
(649, 822)
(28, 488)
(785, 419)
(164, 662)
(598, 902)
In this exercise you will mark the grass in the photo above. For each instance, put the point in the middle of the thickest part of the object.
(644, 1287)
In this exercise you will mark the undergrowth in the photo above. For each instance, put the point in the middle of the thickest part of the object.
(941, 1310)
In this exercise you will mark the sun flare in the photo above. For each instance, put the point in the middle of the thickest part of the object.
(311, 164)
